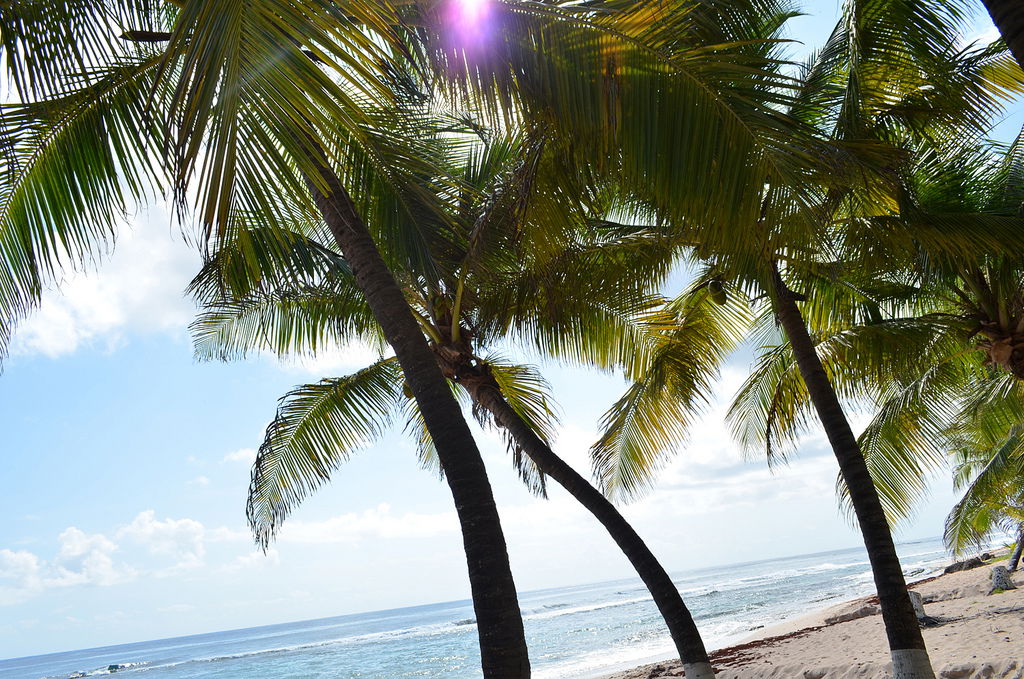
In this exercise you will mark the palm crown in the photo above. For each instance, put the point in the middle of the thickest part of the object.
(954, 391)
(871, 88)
(524, 267)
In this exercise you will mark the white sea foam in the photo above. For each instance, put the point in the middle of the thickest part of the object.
(120, 668)
(370, 638)
(574, 610)
(606, 660)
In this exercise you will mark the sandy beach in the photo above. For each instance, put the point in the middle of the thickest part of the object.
(974, 636)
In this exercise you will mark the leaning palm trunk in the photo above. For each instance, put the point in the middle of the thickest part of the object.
(486, 393)
(499, 619)
(906, 644)
(1008, 16)
(1015, 557)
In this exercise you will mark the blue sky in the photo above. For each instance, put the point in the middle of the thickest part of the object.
(127, 464)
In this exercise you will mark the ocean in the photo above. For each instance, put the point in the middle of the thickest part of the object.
(573, 632)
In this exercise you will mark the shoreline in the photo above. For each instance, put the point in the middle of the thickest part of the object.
(977, 636)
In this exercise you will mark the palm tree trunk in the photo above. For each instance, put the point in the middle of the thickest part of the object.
(487, 394)
(1015, 557)
(1008, 16)
(906, 645)
(499, 619)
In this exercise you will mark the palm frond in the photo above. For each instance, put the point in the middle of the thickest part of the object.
(529, 395)
(299, 322)
(668, 388)
(317, 428)
(906, 442)
(263, 91)
(868, 365)
(254, 257)
(74, 167)
(995, 494)
(48, 46)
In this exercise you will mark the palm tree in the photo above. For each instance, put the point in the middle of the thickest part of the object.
(907, 646)
(960, 312)
(937, 404)
(876, 78)
(959, 391)
(992, 481)
(529, 269)
(240, 93)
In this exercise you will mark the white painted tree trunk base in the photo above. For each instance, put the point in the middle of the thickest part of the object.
(699, 670)
(911, 664)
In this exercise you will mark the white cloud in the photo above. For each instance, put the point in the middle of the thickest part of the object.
(985, 35)
(378, 522)
(573, 446)
(138, 288)
(253, 560)
(331, 361)
(744, 488)
(199, 481)
(22, 570)
(180, 539)
(146, 547)
(225, 534)
(246, 455)
(21, 565)
(86, 559)
(82, 559)
(560, 514)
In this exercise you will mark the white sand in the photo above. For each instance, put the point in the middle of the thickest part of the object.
(977, 637)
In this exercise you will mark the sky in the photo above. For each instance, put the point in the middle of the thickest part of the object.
(127, 463)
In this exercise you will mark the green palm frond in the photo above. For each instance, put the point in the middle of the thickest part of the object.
(988, 451)
(263, 90)
(868, 365)
(280, 291)
(732, 136)
(258, 258)
(297, 322)
(771, 409)
(902, 68)
(74, 166)
(529, 394)
(906, 442)
(401, 171)
(895, 242)
(47, 45)
(992, 407)
(590, 303)
(317, 427)
(668, 386)
(994, 496)
(960, 206)
(276, 290)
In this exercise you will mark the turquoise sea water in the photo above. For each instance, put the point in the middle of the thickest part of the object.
(573, 632)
